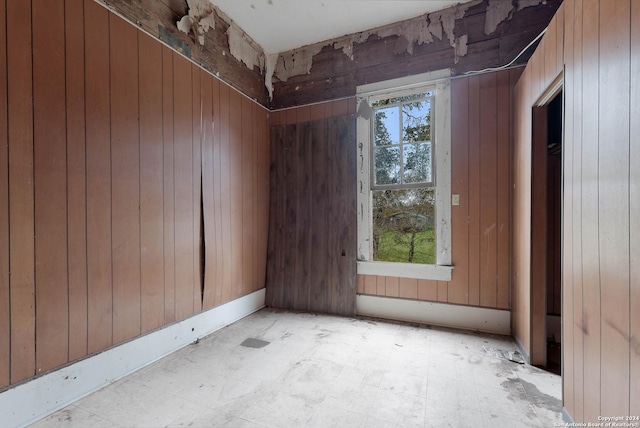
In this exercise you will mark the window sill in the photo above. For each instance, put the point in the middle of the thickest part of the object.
(406, 270)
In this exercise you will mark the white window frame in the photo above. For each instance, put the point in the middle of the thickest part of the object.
(440, 81)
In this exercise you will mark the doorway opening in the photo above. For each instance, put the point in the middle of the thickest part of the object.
(546, 231)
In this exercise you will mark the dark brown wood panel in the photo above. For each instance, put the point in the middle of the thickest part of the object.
(50, 170)
(613, 210)
(5, 314)
(217, 193)
(169, 186)
(183, 193)
(98, 164)
(76, 179)
(311, 256)
(151, 184)
(21, 191)
(125, 179)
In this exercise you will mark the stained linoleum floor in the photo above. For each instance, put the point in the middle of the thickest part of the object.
(326, 371)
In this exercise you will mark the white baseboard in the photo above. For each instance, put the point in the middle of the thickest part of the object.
(432, 313)
(33, 400)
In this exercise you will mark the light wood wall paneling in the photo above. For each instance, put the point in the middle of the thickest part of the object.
(255, 186)
(503, 188)
(208, 193)
(5, 313)
(183, 164)
(459, 285)
(274, 257)
(574, 315)
(125, 176)
(168, 186)
(427, 290)
(590, 322)
(151, 184)
(217, 191)
(247, 238)
(488, 189)
(613, 212)
(264, 193)
(235, 190)
(50, 170)
(226, 191)
(98, 155)
(196, 186)
(634, 212)
(76, 178)
(474, 190)
(569, 331)
(21, 205)
(392, 286)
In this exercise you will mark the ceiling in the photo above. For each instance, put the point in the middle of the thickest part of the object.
(281, 25)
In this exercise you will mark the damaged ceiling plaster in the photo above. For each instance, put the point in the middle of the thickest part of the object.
(283, 65)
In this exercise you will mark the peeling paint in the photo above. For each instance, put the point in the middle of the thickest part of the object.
(200, 19)
(270, 68)
(296, 62)
(243, 49)
(460, 47)
(499, 11)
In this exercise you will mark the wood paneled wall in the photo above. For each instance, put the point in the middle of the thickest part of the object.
(115, 153)
(311, 264)
(481, 156)
(598, 44)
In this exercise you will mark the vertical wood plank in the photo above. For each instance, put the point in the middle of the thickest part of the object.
(428, 290)
(125, 176)
(21, 208)
(613, 213)
(196, 189)
(634, 211)
(76, 179)
(217, 191)
(459, 284)
(303, 205)
(183, 164)
(98, 164)
(247, 167)
(590, 322)
(235, 187)
(381, 286)
(569, 332)
(503, 188)
(408, 288)
(316, 112)
(474, 190)
(208, 193)
(370, 285)
(276, 217)
(391, 284)
(50, 170)
(5, 314)
(151, 184)
(488, 189)
(225, 192)
(360, 284)
(288, 204)
(168, 186)
(548, 71)
(319, 237)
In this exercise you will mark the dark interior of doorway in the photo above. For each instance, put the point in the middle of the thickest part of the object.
(554, 233)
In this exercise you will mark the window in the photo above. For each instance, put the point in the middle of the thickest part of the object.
(404, 177)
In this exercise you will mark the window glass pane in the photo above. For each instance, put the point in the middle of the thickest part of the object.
(416, 121)
(386, 126)
(404, 226)
(417, 163)
(387, 162)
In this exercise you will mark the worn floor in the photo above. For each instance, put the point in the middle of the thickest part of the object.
(323, 371)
